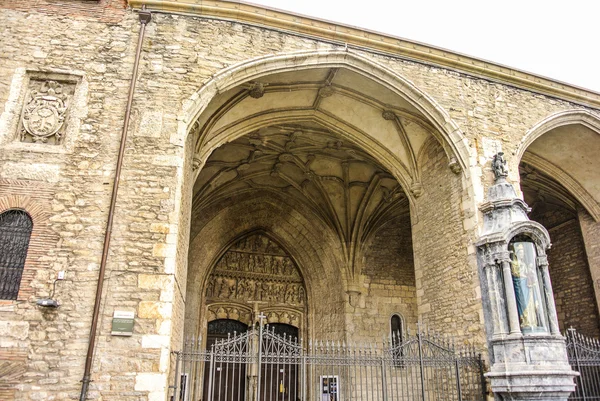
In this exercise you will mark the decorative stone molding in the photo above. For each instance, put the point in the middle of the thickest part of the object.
(228, 311)
(454, 166)
(257, 90)
(388, 115)
(326, 91)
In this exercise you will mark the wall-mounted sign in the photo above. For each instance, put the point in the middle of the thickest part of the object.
(122, 323)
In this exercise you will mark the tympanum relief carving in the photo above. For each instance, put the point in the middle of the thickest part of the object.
(255, 269)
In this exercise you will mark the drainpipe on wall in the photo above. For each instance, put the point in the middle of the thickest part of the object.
(145, 17)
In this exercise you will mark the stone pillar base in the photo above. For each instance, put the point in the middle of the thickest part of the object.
(530, 386)
(531, 368)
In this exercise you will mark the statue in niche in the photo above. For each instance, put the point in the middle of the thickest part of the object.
(499, 166)
(210, 287)
(217, 286)
(258, 291)
(290, 293)
(527, 289)
(279, 292)
(287, 267)
(301, 294)
(268, 263)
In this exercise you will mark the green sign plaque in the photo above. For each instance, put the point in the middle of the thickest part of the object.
(122, 323)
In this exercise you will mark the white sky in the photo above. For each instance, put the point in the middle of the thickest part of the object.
(559, 39)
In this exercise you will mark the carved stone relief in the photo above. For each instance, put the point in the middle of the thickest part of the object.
(256, 269)
(45, 110)
(219, 311)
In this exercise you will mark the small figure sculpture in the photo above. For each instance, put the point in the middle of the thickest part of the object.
(499, 166)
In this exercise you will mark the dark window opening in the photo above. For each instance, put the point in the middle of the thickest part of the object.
(15, 232)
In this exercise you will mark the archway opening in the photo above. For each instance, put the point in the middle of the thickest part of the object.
(328, 163)
(554, 184)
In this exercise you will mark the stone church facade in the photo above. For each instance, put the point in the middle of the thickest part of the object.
(327, 177)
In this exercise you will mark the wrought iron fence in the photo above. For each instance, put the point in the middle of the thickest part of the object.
(584, 357)
(260, 365)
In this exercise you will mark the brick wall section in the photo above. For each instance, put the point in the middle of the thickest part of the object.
(569, 271)
(571, 280)
(590, 231)
(36, 282)
(12, 368)
(34, 198)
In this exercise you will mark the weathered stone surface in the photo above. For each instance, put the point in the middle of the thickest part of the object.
(165, 242)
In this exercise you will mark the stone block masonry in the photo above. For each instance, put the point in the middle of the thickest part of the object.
(69, 191)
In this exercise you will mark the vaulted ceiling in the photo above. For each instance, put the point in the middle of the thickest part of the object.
(341, 183)
(342, 144)
(338, 100)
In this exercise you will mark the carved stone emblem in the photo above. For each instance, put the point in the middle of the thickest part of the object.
(44, 114)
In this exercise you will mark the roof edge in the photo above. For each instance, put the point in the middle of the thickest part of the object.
(370, 40)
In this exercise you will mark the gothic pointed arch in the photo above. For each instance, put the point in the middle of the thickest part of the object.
(445, 129)
(564, 134)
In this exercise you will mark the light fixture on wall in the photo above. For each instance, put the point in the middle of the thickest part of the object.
(50, 302)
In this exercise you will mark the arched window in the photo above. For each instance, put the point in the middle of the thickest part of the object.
(15, 231)
(397, 334)
(396, 329)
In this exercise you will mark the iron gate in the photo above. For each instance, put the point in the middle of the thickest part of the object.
(260, 365)
(584, 357)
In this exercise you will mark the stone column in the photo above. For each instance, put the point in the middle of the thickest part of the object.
(490, 271)
(552, 316)
(511, 299)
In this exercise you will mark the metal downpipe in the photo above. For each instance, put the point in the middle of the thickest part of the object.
(145, 17)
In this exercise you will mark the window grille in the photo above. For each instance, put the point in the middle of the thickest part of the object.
(15, 231)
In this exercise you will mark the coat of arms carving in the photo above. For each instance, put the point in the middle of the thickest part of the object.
(44, 113)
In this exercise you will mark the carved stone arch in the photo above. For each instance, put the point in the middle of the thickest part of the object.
(566, 117)
(450, 136)
(255, 270)
(305, 246)
(563, 118)
(534, 230)
(233, 311)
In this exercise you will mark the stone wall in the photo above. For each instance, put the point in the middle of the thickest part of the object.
(389, 282)
(448, 295)
(94, 44)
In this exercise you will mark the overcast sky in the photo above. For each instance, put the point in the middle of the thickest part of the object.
(554, 38)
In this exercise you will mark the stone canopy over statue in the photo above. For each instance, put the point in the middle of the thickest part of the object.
(526, 284)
